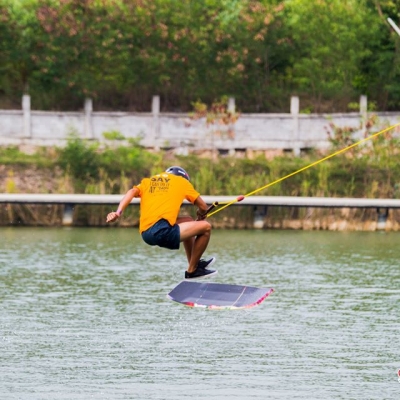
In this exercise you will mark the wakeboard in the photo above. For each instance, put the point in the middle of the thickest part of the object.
(218, 296)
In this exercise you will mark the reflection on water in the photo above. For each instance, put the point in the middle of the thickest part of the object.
(84, 315)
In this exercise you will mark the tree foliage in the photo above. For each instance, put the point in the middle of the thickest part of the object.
(121, 52)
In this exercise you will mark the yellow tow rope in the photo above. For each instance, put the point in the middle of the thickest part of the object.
(240, 198)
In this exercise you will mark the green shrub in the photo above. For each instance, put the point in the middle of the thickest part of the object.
(113, 135)
(80, 159)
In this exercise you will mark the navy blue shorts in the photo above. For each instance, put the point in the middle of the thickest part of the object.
(163, 234)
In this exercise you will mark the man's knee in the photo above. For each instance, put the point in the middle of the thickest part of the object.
(206, 226)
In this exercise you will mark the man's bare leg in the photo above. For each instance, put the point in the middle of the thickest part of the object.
(200, 231)
(188, 243)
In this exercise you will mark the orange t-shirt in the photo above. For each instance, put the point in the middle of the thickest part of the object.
(161, 197)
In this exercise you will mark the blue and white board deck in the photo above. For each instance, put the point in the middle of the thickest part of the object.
(218, 295)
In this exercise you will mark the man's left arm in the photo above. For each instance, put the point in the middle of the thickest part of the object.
(201, 208)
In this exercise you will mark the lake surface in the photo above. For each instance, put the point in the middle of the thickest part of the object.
(84, 315)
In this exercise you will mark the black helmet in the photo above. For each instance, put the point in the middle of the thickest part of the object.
(178, 171)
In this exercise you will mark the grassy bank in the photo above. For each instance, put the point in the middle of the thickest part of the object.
(369, 171)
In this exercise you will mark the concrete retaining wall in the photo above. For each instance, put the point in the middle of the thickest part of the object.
(284, 132)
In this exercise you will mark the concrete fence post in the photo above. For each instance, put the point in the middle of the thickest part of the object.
(155, 110)
(231, 127)
(231, 105)
(294, 111)
(88, 128)
(26, 115)
(363, 111)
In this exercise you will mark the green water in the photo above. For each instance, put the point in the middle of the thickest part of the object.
(84, 315)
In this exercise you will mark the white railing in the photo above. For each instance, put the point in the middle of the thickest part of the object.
(277, 201)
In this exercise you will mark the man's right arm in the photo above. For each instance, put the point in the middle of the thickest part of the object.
(130, 194)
